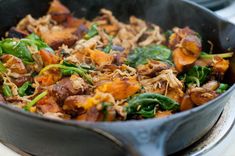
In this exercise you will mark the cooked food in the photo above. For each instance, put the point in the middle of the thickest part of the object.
(63, 67)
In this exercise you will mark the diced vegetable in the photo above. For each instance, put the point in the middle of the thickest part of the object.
(142, 55)
(35, 100)
(146, 104)
(182, 59)
(48, 58)
(222, 88)
(91, 32)
(6, 90)
(121, 88)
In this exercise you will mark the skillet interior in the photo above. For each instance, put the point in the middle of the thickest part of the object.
(221, 33)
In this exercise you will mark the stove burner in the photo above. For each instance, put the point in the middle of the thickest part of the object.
(214, 4)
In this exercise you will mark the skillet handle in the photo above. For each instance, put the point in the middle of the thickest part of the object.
(140, 138)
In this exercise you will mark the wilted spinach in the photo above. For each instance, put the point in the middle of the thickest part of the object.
(26, 89)
(16, 48)
(20, 48)
(197, 75)
(142, 55)
(146, 104)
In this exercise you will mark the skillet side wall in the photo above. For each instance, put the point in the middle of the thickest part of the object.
(195, 126)
(41, 138)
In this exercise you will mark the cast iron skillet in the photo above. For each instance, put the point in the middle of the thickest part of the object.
(37, 135)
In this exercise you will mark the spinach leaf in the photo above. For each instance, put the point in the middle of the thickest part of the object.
(19, 48)
(26, 89)
(146, 104)
(6, 90)
(142, 55)
(16, 48)
(93, 31)
(222, 88)
(197, 75)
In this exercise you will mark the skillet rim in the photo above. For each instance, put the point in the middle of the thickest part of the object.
(173, 116)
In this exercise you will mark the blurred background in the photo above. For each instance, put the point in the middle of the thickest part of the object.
(224, 8)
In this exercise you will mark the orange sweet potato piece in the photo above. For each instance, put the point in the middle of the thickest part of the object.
(121, 88)
(73, 22)
(162, 114)
(186, 103)
(181, 59)
(48, 58)
(100, 58)
(48, 104)
(220, 65)
(48, 78)
(55, 38)
(186, 47)
(58, 11)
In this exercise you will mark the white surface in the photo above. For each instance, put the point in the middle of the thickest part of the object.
(4, 151)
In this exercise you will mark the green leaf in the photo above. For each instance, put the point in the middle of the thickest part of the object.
(146, 104)
(93, 31)
(26, 89)
(222, 88)
(197, 75)
(20, 48)
(16, 48)
(6, 90)
(142, 55)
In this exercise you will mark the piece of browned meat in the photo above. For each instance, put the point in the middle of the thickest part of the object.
(67, 87)
(201, 96)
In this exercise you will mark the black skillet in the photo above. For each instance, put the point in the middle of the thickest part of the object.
(37, 135)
